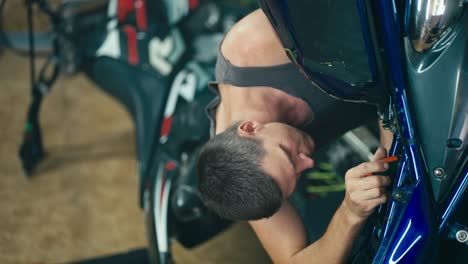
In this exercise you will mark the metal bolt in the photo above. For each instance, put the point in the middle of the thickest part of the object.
(454, 143)
(399, 196)
(439, 172)
(462, 236)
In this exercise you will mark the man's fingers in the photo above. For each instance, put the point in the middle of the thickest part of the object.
(364, 203)
(362, 196)
(366, 168)
(364, 189)
(379, 154)
(374, 181)
(378, 201)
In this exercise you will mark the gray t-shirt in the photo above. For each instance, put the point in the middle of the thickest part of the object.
(330, 117)
(284, 77)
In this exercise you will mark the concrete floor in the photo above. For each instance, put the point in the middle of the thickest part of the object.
(82, 202)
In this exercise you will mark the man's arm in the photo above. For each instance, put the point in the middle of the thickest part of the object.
(284, 236)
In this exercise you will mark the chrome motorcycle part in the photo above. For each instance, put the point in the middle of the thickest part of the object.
(439, 172)
(431, 20)
(438, 78)
(458, 232)
(462, 236)
(387, 115)
(454, 143)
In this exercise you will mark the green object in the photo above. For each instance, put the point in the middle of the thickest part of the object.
(324, 180)
(318, 175)
(29, 127)
(326, 189)
(326, 166)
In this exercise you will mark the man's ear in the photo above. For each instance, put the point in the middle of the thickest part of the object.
(249, 128)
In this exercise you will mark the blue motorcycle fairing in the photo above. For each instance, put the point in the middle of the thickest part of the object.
(338, 55)
(411, 225)
(414, 235)
(439, 91)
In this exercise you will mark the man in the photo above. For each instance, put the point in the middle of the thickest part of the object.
(252, 164)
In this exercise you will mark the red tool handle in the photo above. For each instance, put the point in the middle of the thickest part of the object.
(388, 160)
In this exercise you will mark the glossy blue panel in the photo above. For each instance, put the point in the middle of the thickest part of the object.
(407, 17)
(412, 240)
(454, 199)
(356, 92)
(394, 206)
(334, 87)
(410, 229)
(390, 30)
(329, 85)
(409, 233)
(414, 236)
(367, 38)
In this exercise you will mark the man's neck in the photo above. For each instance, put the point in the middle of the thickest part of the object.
(260, 104)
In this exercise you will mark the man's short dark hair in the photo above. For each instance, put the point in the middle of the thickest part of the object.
(231, 181)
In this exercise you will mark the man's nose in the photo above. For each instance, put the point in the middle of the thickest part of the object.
(304, 162)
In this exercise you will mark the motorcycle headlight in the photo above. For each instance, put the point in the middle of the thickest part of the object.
(430, 20)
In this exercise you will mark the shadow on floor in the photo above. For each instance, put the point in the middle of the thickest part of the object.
(139, 256)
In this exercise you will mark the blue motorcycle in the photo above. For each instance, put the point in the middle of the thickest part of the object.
(156, 58)
(410, 59)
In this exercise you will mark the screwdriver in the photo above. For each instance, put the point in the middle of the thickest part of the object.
(387, 160)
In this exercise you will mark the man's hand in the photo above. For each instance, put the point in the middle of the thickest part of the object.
(364, 193)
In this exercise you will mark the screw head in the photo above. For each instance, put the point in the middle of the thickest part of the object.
(399, 196)
(462, 236)
(439, 172)
(454, 143)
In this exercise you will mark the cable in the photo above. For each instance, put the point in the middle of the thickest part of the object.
(32, 53)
